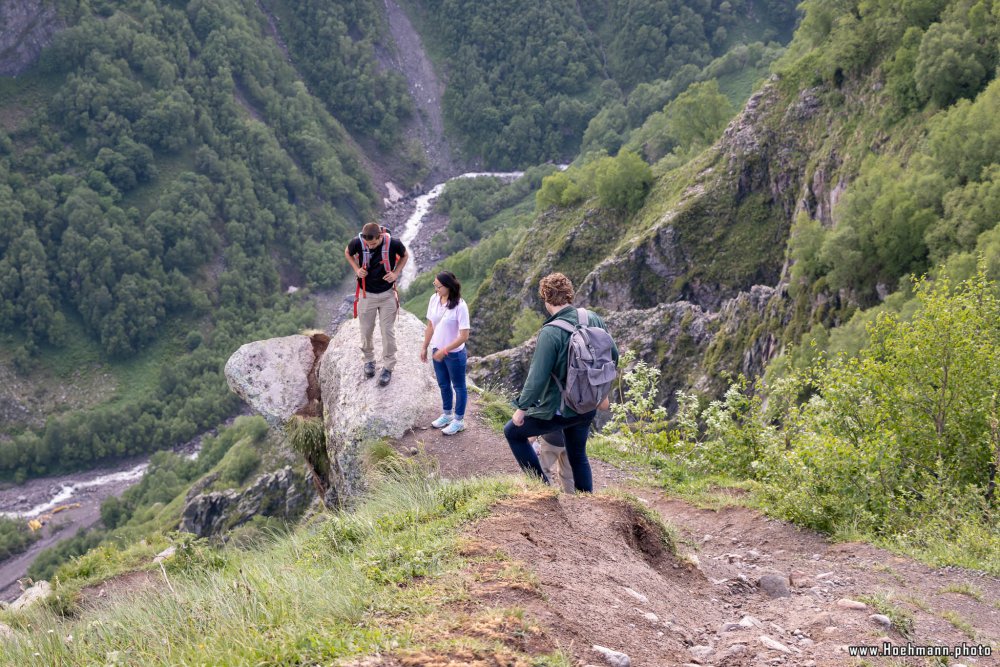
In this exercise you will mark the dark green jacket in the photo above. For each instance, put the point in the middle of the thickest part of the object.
(540, 395)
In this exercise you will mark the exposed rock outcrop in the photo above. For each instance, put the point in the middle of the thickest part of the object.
(31, 596)
(295, 375)
(26, 27)
(356, 409)
(690, 345)
(281, 494)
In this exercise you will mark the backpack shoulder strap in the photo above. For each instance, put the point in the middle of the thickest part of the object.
(561, 324)
(386, 240)
(366, 254)
(583, 317)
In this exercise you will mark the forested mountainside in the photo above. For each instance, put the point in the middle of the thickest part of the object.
(164, 175)
(870, 155)
(526, 78)
(167, 171)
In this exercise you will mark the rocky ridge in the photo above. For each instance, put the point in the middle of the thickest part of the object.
(26, 27)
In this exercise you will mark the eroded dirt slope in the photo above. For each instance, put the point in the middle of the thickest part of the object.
(745, 589)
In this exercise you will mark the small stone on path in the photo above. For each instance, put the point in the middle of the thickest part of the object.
(882, 620)
(613, 658)
(775, 585)
(700, 652)
(773, 644)
(845, 603)
(637, 595)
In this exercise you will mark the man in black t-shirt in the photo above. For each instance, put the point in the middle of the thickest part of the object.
(377, 267)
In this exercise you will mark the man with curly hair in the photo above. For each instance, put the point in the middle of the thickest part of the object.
(540, 408)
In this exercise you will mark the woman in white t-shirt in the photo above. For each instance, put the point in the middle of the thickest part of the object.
(446, 333)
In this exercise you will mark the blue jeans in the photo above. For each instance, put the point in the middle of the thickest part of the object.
(575, 430)
(451, 373)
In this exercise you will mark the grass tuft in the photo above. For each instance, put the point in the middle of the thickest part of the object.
(883, 603)
(964, 588)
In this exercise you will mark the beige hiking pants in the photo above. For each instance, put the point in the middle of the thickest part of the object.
(383, 306)
(555, 463)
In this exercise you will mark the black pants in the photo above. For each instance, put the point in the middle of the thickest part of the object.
(575, 429)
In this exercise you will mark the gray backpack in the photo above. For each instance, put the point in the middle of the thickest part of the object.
(590, 368)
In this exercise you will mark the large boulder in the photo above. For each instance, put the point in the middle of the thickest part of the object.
(272, 376)
(312, 375)
(356, 409)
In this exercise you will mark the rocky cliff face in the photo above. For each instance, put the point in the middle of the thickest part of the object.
(694, 282)
(687, 343)
(26, 27)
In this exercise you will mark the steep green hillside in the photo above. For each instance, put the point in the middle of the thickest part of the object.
(874, 138)
(164, 175)
(525, 78)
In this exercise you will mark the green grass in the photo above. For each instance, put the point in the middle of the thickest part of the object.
(964, 588)
(169, 166)
(960, 623)
(737, 86)
(347, 584)
(96, 378)
(24, 97)
(494, 406)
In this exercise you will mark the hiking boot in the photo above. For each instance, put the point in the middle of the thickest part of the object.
(384, 378)
(369, 369)
(454, 427)
(442, 421)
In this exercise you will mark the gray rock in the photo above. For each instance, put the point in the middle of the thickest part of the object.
(731, 627)
(32, 596)
(279, 494)
(281, 377)
(613, 658)
(731, 651)
(637, 595)
(882, 620)
(749, 622)
(28, 27)
(272, 376)
(6, 632)
(845, 603)
(775, 585)
(165, 554)
(700, 652)
(774, 645)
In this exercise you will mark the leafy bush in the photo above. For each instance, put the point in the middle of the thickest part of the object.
(623, 183)
(635, 417)
(900, 442)
(15, 537)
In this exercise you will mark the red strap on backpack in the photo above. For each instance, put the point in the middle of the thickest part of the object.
(366, 255)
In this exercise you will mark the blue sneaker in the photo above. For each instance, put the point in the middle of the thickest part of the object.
(454, 427)
(442, 421)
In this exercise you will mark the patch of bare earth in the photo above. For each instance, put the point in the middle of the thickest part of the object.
(762, 592)
(120, 588)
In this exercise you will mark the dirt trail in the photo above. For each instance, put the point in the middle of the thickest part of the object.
(708, 606)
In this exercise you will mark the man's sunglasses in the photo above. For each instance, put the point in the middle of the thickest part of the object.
(369, 237)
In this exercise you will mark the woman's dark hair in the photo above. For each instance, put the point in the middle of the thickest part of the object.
(448, 279)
